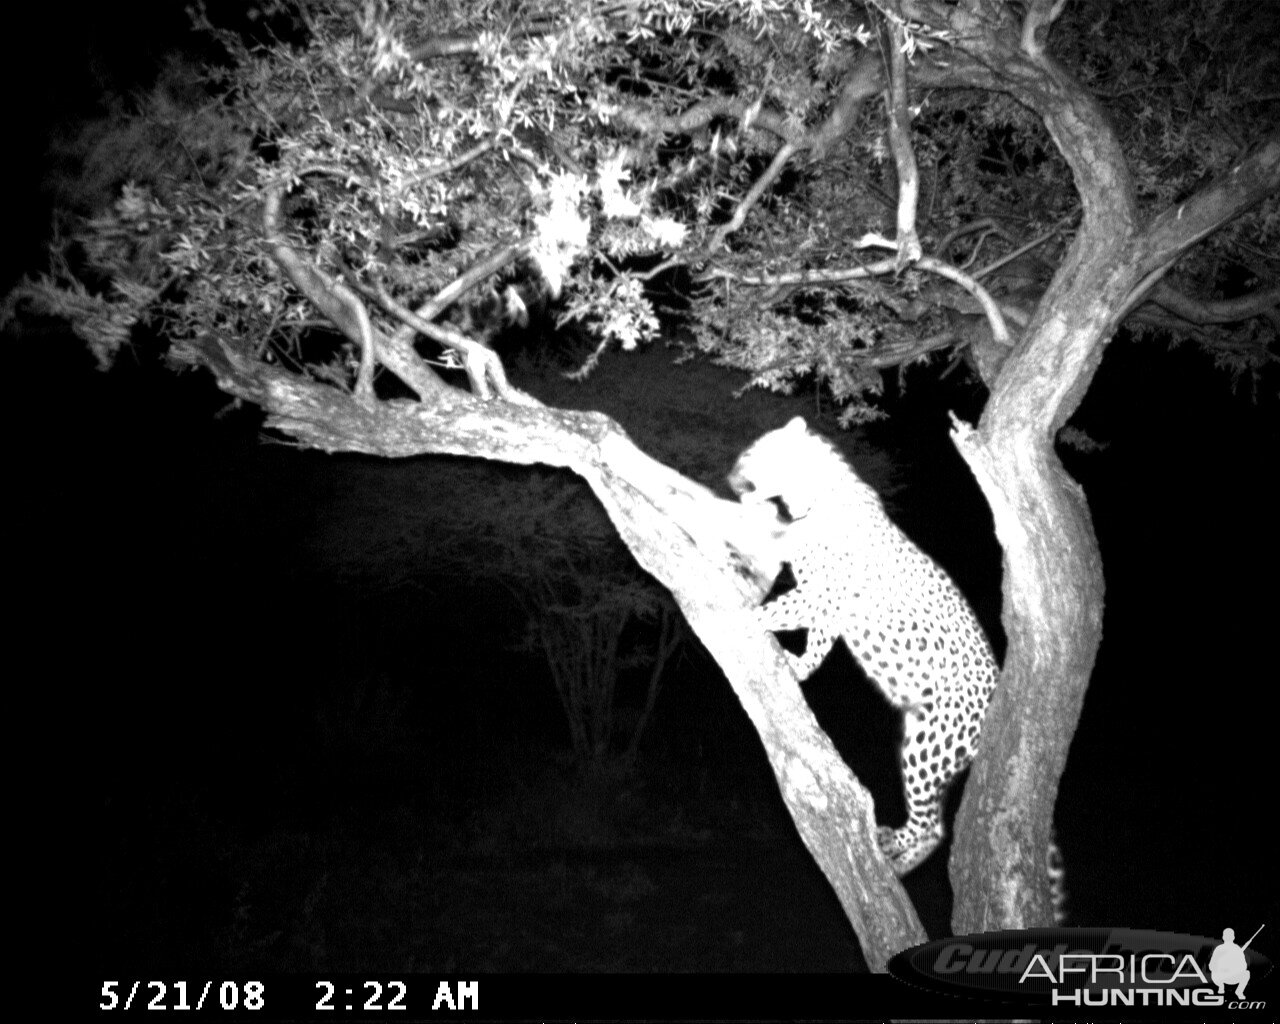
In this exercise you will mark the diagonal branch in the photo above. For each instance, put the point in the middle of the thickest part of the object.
(481, 363)
(767, 178)
(462, 284)
(1182, 226)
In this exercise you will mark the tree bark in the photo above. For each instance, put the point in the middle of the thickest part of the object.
(1053, 579)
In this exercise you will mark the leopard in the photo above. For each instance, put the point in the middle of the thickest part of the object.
(859, 578)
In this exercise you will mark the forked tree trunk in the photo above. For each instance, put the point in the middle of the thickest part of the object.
(1053, 577)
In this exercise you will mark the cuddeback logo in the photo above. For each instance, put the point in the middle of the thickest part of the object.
(1089, 967)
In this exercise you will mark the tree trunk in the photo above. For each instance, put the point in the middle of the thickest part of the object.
(1053, 580)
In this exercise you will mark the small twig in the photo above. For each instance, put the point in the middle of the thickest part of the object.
(462, 284)
(1022, 249)
(985, 224)
(766, 179)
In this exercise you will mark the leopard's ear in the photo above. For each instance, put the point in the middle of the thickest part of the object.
(797, 425)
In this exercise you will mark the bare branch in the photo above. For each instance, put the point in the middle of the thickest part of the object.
(1022, 250)
(888, 354)
(459, 161)
(1040, 15)
(368, 350)
(767, 178)
(310, 280)
(481, 363)
(462, 284)
(1253, 349)
(860, 84)
(994, 314)
(1182, 226)
(400, 358)
(652, 122)
(990, 307)
(331, 297)
(985, 225)
(904, 157)
(455, 45)
(794, 278)
(343, 309)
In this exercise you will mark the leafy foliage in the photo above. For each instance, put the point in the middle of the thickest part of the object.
(603, 143)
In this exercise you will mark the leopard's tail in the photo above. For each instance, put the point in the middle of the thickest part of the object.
(1056, 868)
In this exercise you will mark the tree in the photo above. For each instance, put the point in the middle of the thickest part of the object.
(315, 221)
(590, 615)
(543, 554)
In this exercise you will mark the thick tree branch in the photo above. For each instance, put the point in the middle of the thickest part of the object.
(482, 364)
(1214, 311)
(651, 122)
(1035, 26)
(861, 83)
(1247, 347)
(676, 532)
(1182, 226)
(343, 309)
(990, 307)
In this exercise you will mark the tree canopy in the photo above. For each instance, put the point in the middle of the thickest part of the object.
(351, 161)
(321, 202)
